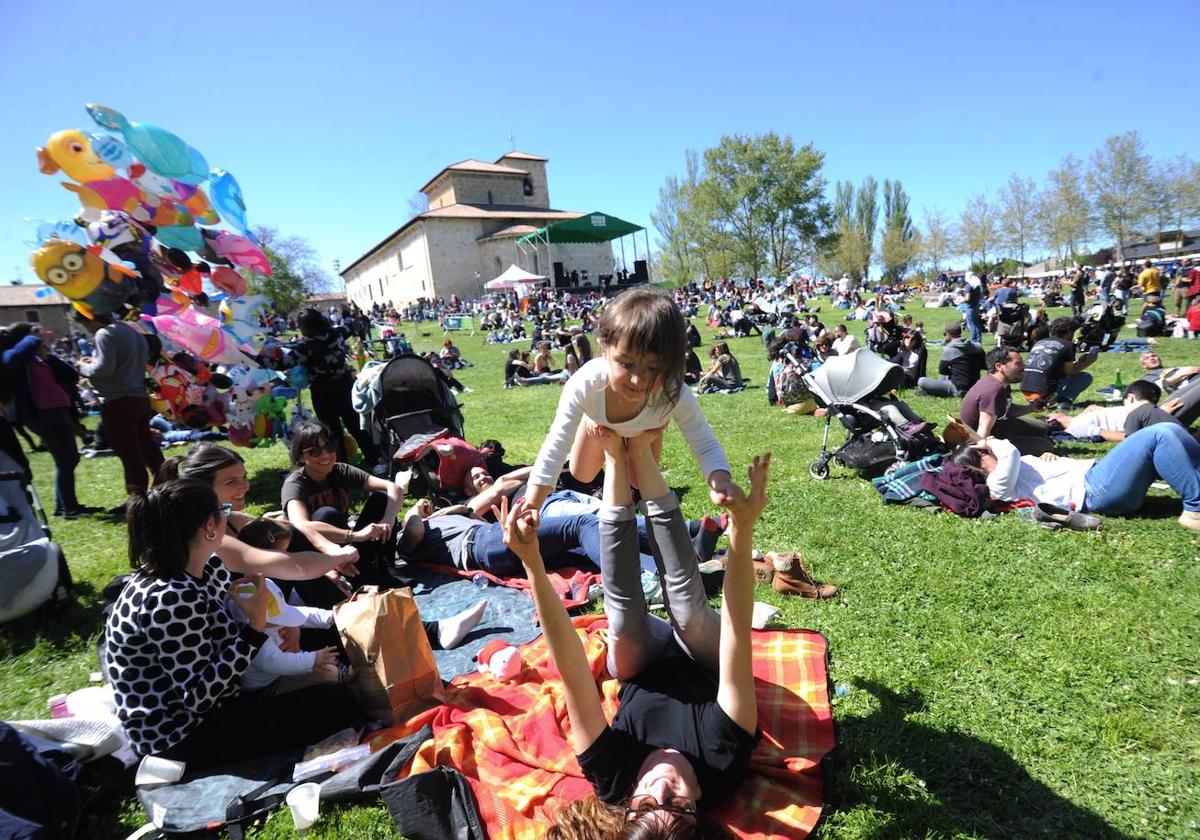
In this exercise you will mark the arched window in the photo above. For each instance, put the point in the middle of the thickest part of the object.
(496, 265)
(528, 186)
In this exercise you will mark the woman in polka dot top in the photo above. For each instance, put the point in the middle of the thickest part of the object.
(176, 654)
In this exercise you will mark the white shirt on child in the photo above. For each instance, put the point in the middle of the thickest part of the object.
(272, 662)
(583, 394)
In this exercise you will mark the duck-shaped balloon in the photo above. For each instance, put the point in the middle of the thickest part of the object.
(95, 285)
(227, 198)
(159, 149)
(98, 184)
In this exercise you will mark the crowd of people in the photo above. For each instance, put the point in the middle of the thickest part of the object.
(203, 672)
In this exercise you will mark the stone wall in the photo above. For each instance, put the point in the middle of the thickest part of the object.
(398, 273)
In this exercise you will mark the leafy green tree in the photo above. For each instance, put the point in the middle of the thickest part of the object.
(1064, 211)
(866, 214)
(848, 250)
(900, 243)
(763, 198)
(675, 218)
(295, 272)
(1119, 180)
(936, 240)
(977, 228)
(1018, 214)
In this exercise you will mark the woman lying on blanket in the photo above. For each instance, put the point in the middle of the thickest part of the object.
(682, 736)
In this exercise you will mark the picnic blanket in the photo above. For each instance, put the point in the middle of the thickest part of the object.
(570, 582)
(510, 739)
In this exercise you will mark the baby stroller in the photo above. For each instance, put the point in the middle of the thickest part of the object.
(33, 569)
(1013, 318)
(881, 434)
(1099, 327)
(416, 407)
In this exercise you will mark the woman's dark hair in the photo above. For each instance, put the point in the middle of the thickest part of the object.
(582, 348)
(1063, 327)
(648, 322)
(967, 456)
(311, 323)
(267, 534)
(14, 334)
(202, 462)
(308, 433)
(162, 523)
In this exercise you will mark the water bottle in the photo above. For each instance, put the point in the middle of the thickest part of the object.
(480, 580)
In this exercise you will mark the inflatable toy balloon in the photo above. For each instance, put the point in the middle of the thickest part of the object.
(111, 150)
(156, 147)
(68, 231)
(227, 199)
(298, 377)
(131, 242)
(95, 285)
(240, 318)
(189, 196)
(230, 247)
(229, 281)
(181, 237)
(206, 341)
(98, 184)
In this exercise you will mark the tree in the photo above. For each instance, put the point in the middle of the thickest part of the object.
(1175, 193)
(418, 203)
(977, 228)
(764, 198)
(676, 221)
(295, 271)
(1119, 183)
(866, 213)
(1018, 214)
(900, 243)
(936, 240)
(1064, 212)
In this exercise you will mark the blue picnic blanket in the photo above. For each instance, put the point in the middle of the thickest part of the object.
(903, 485)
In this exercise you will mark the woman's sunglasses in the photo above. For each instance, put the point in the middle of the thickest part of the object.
(677, 805)
(319, 449)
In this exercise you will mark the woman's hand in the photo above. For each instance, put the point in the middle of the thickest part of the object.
(343, 585)
(253, 605)
(595, 430)
(347, 557)
(520, 530)
(746, 509)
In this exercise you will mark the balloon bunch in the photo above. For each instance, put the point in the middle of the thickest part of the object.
(144, 210)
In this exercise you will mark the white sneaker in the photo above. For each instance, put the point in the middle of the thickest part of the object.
(1190, 519)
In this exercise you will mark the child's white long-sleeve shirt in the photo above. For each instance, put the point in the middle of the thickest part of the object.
(583, 394)
(272, 662)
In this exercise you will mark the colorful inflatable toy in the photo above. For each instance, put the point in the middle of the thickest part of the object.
(92, 278)
(157, 148)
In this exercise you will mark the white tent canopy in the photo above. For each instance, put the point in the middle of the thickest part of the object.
(512, 277)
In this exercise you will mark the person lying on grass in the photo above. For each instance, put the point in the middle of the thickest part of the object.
(1115, 484)
(682, 736)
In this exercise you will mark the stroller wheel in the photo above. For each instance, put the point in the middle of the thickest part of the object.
(819, 469)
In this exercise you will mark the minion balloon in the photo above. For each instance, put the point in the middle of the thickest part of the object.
(93, 284)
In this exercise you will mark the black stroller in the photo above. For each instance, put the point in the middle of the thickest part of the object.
(416, 406)
(1099, 327)
(1012, 323)
(881, 433)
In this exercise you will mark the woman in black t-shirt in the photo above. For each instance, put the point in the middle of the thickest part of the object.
(682, 736)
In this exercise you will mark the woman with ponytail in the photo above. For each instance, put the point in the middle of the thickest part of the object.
(176, 654)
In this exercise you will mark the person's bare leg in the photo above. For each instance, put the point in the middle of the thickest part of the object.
(587, 454)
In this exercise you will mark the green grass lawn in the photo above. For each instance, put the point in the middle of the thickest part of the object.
(996, 679)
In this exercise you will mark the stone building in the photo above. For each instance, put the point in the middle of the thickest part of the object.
(468, 236)
(37, 304)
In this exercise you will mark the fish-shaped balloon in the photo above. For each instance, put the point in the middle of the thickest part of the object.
(228, 200)
(160, 150)
(231, 247)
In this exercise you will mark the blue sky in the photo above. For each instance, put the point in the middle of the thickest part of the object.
(332, 114)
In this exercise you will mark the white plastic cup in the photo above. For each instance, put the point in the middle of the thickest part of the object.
(305, 802)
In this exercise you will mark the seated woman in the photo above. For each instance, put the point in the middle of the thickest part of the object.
(316, 501)
(1115, 484)
(912, 357)
(724, 372)
(580, 351)
(685, 728)
(692, 371)
(176, 656)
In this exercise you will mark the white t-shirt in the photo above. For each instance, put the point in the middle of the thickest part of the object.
(1089, 423)
(584, 394)
(845, 345)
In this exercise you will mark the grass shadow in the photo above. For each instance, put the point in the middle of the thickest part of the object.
(59, 625)
(975, 788)
(265, 484)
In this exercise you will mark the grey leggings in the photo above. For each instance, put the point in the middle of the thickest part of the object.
(635, 637)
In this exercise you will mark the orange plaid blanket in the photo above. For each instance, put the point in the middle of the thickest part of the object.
(510, 739)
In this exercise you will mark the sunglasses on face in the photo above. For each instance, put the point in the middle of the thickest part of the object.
(319, 449)
(676, 805)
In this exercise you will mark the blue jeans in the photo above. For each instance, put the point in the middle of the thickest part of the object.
(1117, 483)
(563, 540)
(971, 316)
(56, 427)
(1072, 385)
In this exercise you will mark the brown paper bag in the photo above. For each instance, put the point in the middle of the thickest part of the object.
(386, 644)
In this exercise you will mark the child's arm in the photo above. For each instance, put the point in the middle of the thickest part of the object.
(735, 691)
(583, 698)
(273, 660)
(561, 436)
(708, 451)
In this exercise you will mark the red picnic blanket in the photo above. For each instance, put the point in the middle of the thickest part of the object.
(510, 739)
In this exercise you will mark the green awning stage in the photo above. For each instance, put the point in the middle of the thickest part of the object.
(591, 227)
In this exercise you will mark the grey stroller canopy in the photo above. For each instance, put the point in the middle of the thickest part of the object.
(843, 380)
